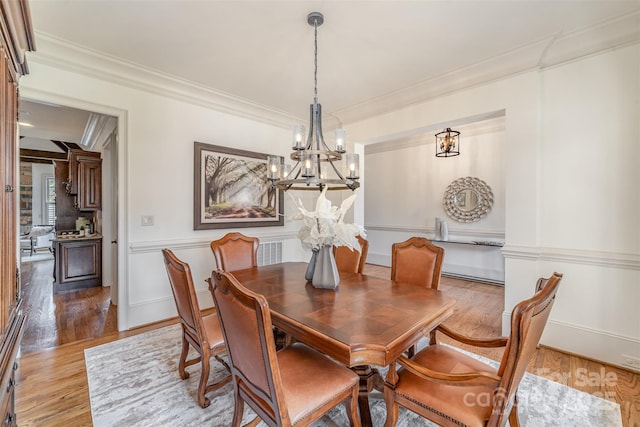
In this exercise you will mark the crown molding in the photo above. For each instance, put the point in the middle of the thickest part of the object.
(74, 58)
(548, 52)
(612, 34)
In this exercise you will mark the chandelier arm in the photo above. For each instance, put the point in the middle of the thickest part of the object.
(298, 163)
(319, 134)
(335, 169)
(318, 119)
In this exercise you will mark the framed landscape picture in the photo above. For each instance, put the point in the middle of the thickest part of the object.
(231, 189)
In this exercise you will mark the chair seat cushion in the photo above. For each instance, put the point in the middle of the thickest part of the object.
(470, 406)
(213, 331)
(310, 379)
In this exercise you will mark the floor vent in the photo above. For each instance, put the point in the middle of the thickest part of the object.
(269, 253)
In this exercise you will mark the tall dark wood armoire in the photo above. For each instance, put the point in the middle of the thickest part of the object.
(16, 39)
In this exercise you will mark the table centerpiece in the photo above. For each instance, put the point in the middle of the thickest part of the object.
(324, 228)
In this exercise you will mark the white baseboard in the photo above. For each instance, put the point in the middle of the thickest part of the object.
(379, 259)
(594, 344)
(160, 309)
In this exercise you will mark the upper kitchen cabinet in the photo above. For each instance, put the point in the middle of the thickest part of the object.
(85, 179)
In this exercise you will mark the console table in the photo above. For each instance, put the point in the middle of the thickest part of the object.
(471, 242)
(479, 260)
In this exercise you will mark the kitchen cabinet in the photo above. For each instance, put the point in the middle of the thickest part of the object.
(77, 263)
(85, 179)
(89, 184)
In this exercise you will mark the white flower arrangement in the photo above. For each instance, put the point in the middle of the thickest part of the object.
(325, 226)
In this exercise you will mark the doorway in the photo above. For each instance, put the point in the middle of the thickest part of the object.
(46, 129)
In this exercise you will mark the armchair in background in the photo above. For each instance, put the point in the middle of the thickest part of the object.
(39, 237)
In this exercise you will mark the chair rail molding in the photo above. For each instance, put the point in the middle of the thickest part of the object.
(629, 261)
(471, 233)
(201, 242)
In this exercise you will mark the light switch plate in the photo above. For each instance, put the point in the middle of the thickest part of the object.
(147, 220)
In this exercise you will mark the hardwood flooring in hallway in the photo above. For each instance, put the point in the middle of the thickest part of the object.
(54, 320)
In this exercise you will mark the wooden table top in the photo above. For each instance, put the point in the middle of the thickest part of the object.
(366, 321)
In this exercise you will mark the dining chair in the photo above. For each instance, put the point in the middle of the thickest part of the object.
(235, 251)
(203, 333)
(352, 260)
(293, 386)
(451, 388)
(417, 261)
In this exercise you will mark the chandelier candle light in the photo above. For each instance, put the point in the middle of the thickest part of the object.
(309, 156)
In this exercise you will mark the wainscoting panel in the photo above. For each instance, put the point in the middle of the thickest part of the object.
(595, 313)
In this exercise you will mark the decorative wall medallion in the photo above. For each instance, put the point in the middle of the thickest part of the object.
(467, 199)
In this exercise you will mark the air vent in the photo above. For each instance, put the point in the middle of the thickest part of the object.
(269, 253)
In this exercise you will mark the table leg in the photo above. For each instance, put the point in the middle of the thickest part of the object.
(369, 379)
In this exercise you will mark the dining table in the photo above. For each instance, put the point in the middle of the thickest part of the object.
(366, 322)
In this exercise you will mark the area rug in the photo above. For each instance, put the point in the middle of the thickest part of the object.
(134, 382)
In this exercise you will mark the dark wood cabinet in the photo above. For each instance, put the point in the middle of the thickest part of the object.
(66, 212)
(85, 179)
(90, 184)
(9, 350)
(78, 263)
(16, 38)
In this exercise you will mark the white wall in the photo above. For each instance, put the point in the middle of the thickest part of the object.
(155, 157)
(589, 157)
(405, 191)
(572, 201)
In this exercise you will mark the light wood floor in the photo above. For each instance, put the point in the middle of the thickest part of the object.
(52, 385)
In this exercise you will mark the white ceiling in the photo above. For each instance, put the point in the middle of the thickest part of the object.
(40, 123)
(370, 52)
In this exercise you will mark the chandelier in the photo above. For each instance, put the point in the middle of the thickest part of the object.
(316, 165)
(448, 143)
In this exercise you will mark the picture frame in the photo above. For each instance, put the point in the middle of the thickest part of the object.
(231, 189)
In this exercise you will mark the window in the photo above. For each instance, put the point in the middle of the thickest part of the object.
(49, 204)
